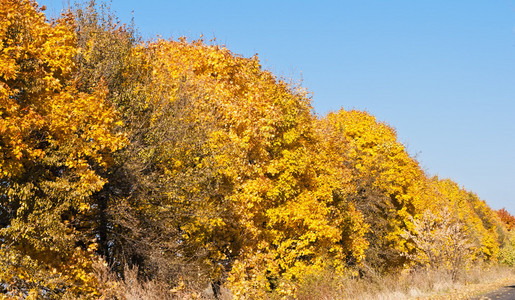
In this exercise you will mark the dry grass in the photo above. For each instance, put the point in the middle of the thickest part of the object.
(130, 287)
(420, 284)
(416, 284)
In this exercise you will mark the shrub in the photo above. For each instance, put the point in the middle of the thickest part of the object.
(441, 242)
(507, 252)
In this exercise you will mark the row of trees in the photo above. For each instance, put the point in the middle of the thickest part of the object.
(196, 165)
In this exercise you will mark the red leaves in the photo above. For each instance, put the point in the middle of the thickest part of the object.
(507, 218)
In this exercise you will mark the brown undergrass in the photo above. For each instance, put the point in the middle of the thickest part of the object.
(414, 284)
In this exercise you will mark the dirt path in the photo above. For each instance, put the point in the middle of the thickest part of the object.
(504, 293)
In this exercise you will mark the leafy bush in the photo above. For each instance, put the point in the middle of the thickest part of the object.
(441, 242)
(507, 252)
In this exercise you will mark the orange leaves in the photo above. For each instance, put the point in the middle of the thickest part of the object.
(506, 218)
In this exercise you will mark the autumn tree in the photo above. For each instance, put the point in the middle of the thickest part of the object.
(384, 179)
(507, 251)
(105, 56)
(223, 159)
(52, 138)
(192, 164)
(507, 218)
(442, 242)
(479, 220)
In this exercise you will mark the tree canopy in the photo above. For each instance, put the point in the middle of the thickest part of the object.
(196, 165)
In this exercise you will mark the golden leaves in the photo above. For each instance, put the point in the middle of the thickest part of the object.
(226, 158)
(265, 145)
(52, 138)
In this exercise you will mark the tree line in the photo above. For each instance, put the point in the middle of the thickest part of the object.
(196, 165)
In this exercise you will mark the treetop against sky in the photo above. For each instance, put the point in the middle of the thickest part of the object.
(440, 72)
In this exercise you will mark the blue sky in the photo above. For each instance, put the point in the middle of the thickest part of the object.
(441, 72)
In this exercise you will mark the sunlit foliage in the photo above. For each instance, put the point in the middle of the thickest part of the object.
(193, 165)
(442, 241)
(506, 218)
(385, 181)
(51, 138)
(280, 208)
(479, 220)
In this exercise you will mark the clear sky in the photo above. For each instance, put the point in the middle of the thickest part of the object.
(441, 72)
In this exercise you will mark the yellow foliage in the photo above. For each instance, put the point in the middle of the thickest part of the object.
(479, 220)
(281, 207)
(223, 155)
(384, 181)
(52, 138)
